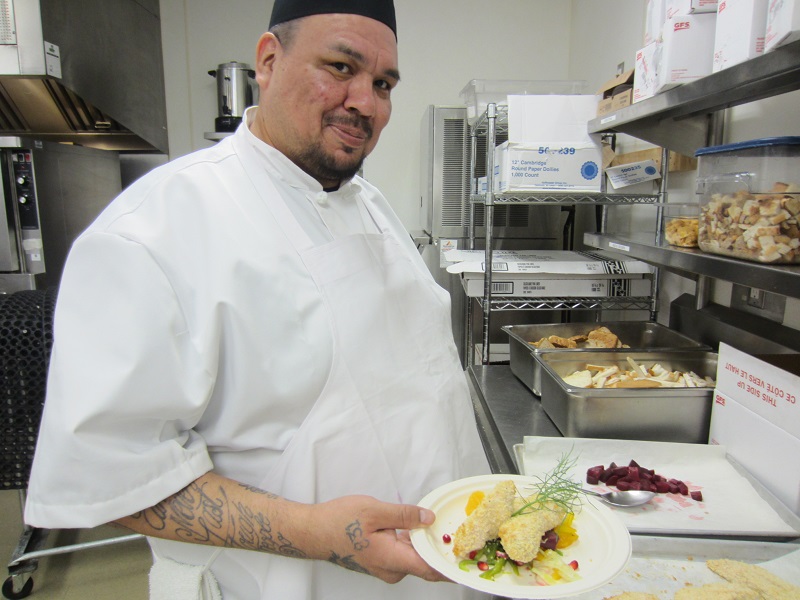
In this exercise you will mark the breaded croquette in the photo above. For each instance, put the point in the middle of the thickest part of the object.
(521, 536)
(765, 583)
(717, 591)
(484, 522)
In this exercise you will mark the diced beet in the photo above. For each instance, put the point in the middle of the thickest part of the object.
(607, 473)
(683, 488)
(633, 463)
(673, 488)
(612, 480)
(662, 487)
(623, 485)
(636, 485)
(633, 473)
(657, 477)
(621, 471)
(613, 465)
(674, 481)
(697, 495)
(592, 480)
(595, 472)
(549, 540)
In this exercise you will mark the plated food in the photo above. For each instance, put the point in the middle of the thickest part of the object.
(601, 551)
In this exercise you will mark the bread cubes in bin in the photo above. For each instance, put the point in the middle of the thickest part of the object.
(750, 199)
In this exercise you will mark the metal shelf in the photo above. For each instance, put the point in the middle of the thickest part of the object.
(678, 118)
(566, 198)
(571, 303)
(780, 279)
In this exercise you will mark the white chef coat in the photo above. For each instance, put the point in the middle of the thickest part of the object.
(219, 348)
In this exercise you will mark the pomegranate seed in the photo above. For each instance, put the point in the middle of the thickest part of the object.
(446, 538)
(574, 565)
(473, 554)
(483, 566)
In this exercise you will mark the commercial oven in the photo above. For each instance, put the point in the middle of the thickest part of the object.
(50, 193)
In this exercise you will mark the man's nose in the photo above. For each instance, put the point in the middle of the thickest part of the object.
(361, 96)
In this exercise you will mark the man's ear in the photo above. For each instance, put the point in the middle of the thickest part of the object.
(266, 51)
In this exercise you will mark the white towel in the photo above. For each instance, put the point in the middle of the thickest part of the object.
(171, 580)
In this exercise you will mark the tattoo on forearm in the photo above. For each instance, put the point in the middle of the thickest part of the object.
(255, 490)
(348, 562)
(201, 518)
(356, 535)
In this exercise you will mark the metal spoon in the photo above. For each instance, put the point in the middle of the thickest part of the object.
(624, 499)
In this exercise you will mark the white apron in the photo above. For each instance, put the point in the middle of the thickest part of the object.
(394, 420)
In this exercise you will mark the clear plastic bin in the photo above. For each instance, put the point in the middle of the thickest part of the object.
(681, 224)
(750, 200)
(479, 93)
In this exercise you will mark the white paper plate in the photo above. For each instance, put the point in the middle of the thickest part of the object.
(602, 550)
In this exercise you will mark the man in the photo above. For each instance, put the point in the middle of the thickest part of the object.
(251, 364)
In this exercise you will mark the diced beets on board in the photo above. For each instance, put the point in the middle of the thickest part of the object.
(636, 477)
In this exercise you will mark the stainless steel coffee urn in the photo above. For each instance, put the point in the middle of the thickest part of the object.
(236, 90)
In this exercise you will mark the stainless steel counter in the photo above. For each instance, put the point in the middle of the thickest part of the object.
(506, 411)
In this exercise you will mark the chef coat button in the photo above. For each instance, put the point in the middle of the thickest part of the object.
(322, 198)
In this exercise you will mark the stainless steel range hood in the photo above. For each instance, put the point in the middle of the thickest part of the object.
(83, 71)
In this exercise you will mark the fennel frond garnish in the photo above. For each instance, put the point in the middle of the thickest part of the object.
(554, 487)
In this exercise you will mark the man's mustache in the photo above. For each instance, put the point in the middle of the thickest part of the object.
(354, 121)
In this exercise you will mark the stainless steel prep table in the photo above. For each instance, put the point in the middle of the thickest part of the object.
(506, 411)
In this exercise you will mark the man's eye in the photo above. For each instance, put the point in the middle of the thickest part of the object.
(341, 67)
(384, 85)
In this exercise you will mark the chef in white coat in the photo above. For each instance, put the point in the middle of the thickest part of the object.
(252, 365)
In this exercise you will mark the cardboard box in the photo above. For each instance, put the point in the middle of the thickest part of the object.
(550, 273)
(741, 26)
(645, 78)
(768, 385)
(553, 167)
(689, 7)
(544, 287)
(768, 452)
(783, 23)
(553, 118)
(655, 15)
(677, 162)
(615, 93)
(686, 50)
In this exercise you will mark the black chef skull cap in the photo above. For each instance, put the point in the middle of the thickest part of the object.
(380, 10)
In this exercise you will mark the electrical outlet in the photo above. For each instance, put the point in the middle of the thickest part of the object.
(755, 298)
(758, 302)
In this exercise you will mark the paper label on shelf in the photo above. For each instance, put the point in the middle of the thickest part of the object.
(52, 60)
(630, 174)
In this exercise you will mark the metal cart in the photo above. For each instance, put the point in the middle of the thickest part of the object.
(26, 338)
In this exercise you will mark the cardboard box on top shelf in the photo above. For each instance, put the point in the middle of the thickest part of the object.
(783, 23)
(645, 78)
(687, 49)
(768, 452)
(615, 93)
(741, 26)
(677, 162)
(655, 15)
(548, 147)
(689, 7)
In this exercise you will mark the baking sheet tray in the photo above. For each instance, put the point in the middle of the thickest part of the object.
(662, 565)
(734, 503)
